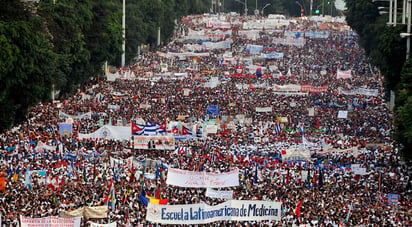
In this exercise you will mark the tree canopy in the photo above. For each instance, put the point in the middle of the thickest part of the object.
(387, 50)
(63, 43)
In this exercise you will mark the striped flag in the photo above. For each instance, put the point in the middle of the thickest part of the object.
(137, 129)
(151, 129)
(302, 129)
(162, 128)
(277, 129)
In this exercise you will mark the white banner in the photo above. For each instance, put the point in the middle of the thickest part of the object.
(113, 224)
(290, 41)
(186, 91)
(254, 49)
(287, 88)
(211, 193)
(87, 115)
(359, 91)
(344, 74)
(211, 129)
(109, 132)
(311, 112)
(159, 142)
(359, 170)
(113, 76)
(272, 55)
(343, 114)
(295, 154)
(218, 24)
(124, 163)
(188, 54)
(43, 147)
(264, 109)
(50, 221)
(145, 106)
(232, 210)
(217, 45)
(180, 75)
(192, 179)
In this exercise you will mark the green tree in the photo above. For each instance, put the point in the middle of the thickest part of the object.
(105, 37)
(66, 22)
(25, 70)
(387, 51)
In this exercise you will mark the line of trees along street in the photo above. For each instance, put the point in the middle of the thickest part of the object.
(63, 43)
(387, 51)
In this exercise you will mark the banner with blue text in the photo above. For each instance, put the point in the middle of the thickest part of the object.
(232, 210)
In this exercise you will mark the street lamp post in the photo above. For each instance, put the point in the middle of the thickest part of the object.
(407, 35)
(403, 11)
(323, 8)
(311, 7)
(317, 8)
(331, 13)
(408, 30)
(245, 4)
(395, 12)
(124, 34)
(301, 8)
(264, 7)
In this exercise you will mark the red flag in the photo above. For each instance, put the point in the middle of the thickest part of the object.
(297, 211)
(163, 127)
(251, 87)
(185, 131)
(224, 129)
(163, 201)
(158, 194)
(2, 182)
(315, 181)
(317, 123)
(287, 178)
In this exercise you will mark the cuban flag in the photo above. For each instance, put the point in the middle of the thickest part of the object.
(137, 130)
(151, 129)
(174, 131)
(181, 150)
(277, 128)
(162, 128)
(186, 130)
(259, 72)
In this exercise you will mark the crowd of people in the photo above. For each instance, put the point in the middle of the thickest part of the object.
(299, 106)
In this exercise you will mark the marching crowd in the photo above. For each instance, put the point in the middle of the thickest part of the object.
(238, 79)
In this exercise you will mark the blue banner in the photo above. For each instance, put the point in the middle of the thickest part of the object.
(213, 110)
(65, 129)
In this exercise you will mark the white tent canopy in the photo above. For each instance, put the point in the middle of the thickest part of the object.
(109, 132)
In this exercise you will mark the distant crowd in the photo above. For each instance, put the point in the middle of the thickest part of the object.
(299, 111)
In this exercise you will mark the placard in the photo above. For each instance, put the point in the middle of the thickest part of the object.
(393, 199)
(211, 193)
(50, 221)
(159, 142)
(343, 114)
(263, 109)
